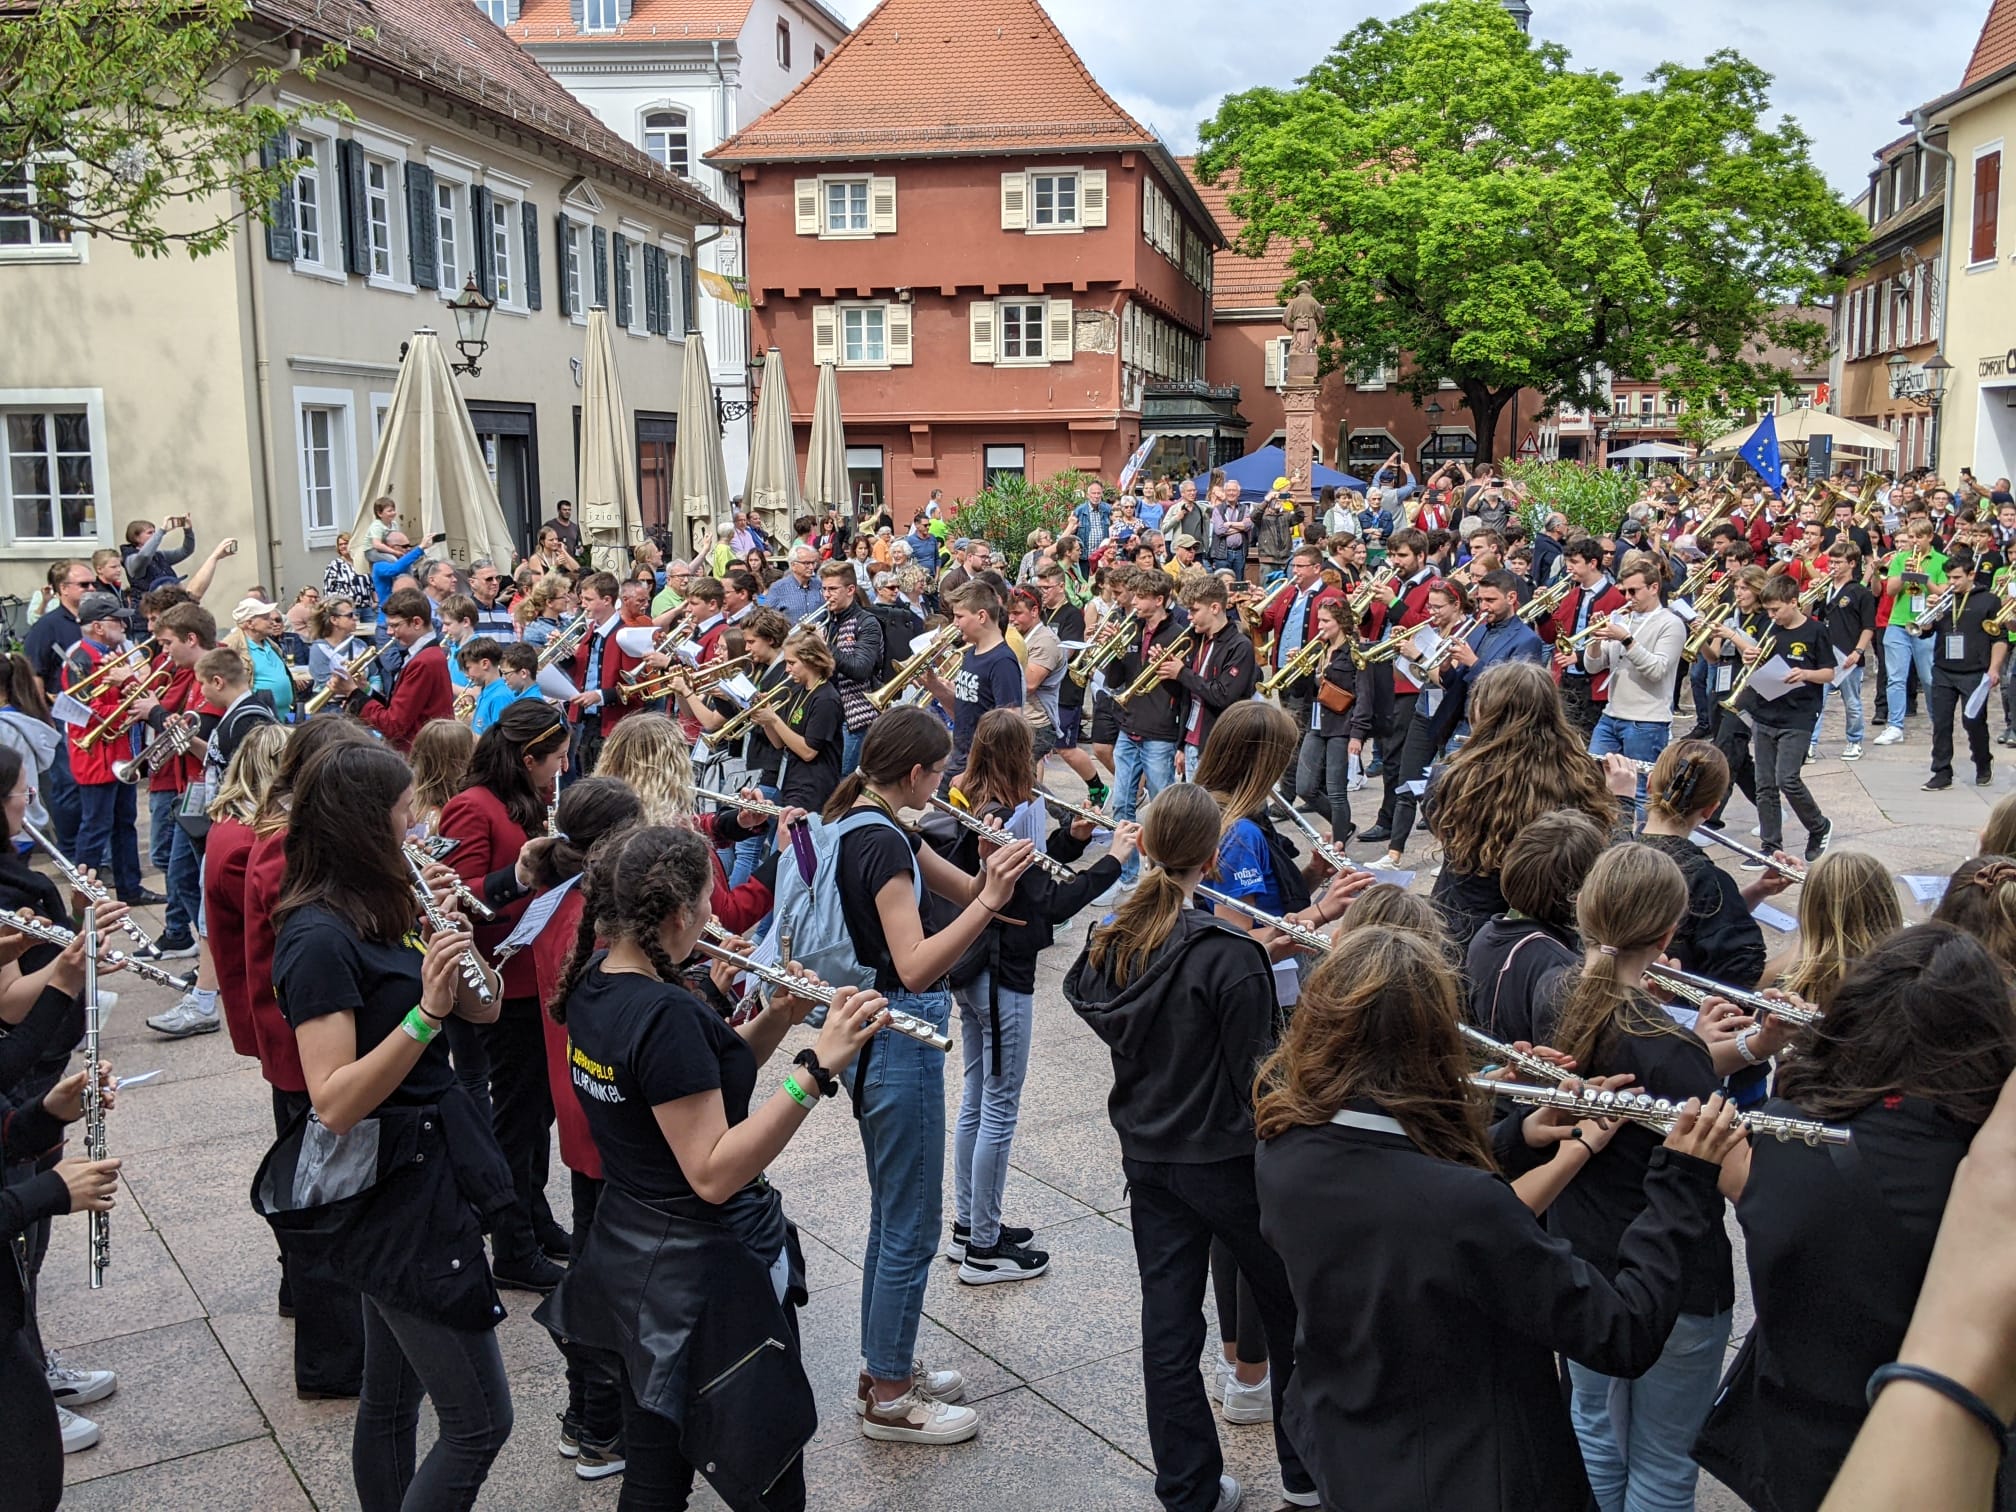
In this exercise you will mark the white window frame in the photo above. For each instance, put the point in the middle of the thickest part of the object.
(499, 11)
(675, 301)
(645, 131)
(877, 307)
(1967, 246)
(454, 256)
(1041, 356)
(506, 198)
(1373, 379)
(1076, 176)
(381, 406)
(92, 402)
(600, 17)
(577, 263)
(342, 458)
(320, 139)
(866, 184)
(634, 238)
(396, 240)
(65, 249)
(784, 45)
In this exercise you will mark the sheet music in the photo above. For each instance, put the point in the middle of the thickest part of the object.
(538, 914)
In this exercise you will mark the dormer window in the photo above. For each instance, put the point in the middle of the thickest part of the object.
(665, 139)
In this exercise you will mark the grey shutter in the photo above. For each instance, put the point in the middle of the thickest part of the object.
(620, 250)
(529, 220)
(689, 297)
(580, 10)
(560, 224)
(273, 152)
(654, 304)
(422, 230)
(600, 239)
(483, 257)
(356, 217)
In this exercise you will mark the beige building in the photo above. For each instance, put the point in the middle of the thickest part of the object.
(245, 389)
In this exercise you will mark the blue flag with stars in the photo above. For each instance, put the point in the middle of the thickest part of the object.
(1761, 452)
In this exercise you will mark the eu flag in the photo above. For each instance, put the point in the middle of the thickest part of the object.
(1761, 452)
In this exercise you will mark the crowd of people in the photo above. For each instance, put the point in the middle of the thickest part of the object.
(474, 859)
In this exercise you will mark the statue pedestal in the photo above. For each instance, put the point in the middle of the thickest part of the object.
(1299, 400)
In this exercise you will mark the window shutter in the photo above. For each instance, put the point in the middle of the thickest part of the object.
(660, 269)
(1987, 205)
(1148, 209)
(689, 296)
(1014, 203)
(825, 334)
(882, 206)
(560, 224)
(356, 218)
(651, 291)
(1127, 335)
(1057, 339)
(1092, 197)
(600, 239)
(980, 330)
(1850, 308)
(580, 10)
(1887, 293)
(896, 329)
(806, 192)
(483, 259)
(528, 277)
(1917, 304)
(1276, 350)
(280, 211)
(620, 251)
(422, 230)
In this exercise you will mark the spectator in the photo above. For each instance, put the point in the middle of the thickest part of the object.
(567, 529)
(148, 562)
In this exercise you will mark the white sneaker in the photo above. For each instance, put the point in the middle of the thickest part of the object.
(1852, 751)
(1248, 1404)
(78, 1432)
(1354, 785)
(914, 1418)
(1891, 736)
(185, 1019)
(1230, 1493)
(1302, 1498)
(78, 1388)
(1756, 832)
(938, 1385)
(1216, 1375)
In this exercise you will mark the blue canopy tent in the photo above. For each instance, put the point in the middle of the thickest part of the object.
(1256, 471)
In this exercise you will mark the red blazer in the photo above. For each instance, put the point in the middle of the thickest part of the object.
(224, 856)
(279, 1057)
(615, 662)
(93, 766)
(548, 955)
(175, 774)
(1562, 622)
(738, 909)
(422, 691)
(1277, 616)
(490, 843)
(1410, 609)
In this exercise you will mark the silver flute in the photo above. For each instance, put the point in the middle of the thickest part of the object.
(473, 972)
(79, 882)
(1690, 988)
(476, 908)
(1077, 810)
(731, 800)
(1302, 935)
(903, 1023)
(1330, 851)
(99, 1225)
(1522, 1060)
(1654, 1112)
(1707, 836)
(56, 934)
(999, 836)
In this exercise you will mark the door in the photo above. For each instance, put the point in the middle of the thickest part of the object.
(657, 445)
(508, 434)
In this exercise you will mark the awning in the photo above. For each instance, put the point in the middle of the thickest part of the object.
(606, 491)
(772, 490)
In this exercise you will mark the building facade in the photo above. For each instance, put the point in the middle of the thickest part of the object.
(245, 389)
(998, 273)
(676, 78)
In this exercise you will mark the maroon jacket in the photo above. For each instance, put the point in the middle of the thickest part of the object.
(422, 691)
(490, 843)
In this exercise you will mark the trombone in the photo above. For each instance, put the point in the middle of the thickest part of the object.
(1305, 661)
(700, 683)
(912, 667)
(1151, 675)
(122, 717)
(117, 659)
(1112, 637)
(352, 669)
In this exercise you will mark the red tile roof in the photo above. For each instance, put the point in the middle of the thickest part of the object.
(553, 21)
(1238, 282)
(1996, 49)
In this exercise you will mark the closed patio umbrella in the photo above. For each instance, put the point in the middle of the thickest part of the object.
(826, 457)
(773, 455)
(606, 493)
(699, 471)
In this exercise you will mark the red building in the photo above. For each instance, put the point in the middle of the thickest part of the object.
(997, 257)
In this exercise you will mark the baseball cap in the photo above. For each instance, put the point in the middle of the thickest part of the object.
(102, 606)
(252, 608)
(1187, 542)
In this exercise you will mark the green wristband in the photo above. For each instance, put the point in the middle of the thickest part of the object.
(419, 1026)
(797, 1092)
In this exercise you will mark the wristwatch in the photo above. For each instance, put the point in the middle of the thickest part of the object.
(827, 1082)
(1628, 640)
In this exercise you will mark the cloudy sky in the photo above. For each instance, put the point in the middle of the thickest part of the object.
(1845, 69)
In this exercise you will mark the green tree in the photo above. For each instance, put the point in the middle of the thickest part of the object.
(1003, 513)
(145, 120)
(1454, 191)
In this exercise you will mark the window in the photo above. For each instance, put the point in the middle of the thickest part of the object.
(847, 207)
(1000, 462)
(51, 449)
(818, 56)
(24, 234)
(632, 285)
(1987, 204)
(378, 214)
(502, 214)
(867, 335)
(570, 269)
(498, 11)
(665, 139)
(601, 15)
(1053, 199)
(447, 246)
(863, 336)
(1021, 331)
(322, 429)
(783, 44)
(314, 230)
(864, 476)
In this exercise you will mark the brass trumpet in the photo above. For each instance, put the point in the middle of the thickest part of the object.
(1385, 650)
(133, 656)
(700, 682)
(1587, 633)
(565, 641)
(1305, 661)
(665, 640)
(738, 724)
(1380, 583)
(122, 717)
(352, 669)
(1151, 674)
(1546, 601)
(1111, 640)
(912, 667)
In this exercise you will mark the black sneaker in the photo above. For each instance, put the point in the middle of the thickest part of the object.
(146, 897)
(962, 1236)
(1755, 863)
(1376, 833)
(554, 1241)
(595, 1461)
(534, 1273)
(1937, 785)
(1984, 776)
(570, 1434)
(1816, 845)
(1001, 1262)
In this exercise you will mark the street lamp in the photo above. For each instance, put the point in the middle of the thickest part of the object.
(1936, 373)
(472, 326)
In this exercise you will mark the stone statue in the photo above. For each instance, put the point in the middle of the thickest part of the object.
(1303, 317)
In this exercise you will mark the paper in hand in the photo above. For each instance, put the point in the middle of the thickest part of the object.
(1977, 700)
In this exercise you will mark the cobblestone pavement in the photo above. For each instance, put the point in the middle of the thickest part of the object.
(206, 1418)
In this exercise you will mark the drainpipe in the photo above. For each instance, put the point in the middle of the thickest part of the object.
(262, 390)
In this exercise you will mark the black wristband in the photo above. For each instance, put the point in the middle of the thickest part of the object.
(828, 1082)
(1947, 1387)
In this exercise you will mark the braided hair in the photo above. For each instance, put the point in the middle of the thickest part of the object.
(636, 879)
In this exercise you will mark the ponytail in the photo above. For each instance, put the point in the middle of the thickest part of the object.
(898, 743)
(1633, 898)
(1179, 833)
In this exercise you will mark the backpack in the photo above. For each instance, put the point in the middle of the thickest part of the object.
(808, 911)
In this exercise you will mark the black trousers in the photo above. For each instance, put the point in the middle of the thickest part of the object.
(594, 1384)
(504, 1066)
(1948, 696)
(1239, 1320)
(1732, 739)
(31, 1448)
(1417, 752)
(1580, 704)
(1393, 751)
(328, 1318)
(1177, 1210)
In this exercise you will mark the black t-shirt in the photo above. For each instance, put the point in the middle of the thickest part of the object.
(1068, 620)
(871, 855)
(634, 1043)
(320, 966)
(49, 641)
(985, 680)
(1805, 645)
(1849, 610)
(1969, 619)
(765, 760)
(820, 720)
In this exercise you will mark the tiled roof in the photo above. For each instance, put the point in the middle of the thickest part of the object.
(1238, 282)
(450, 47)
(1996, 49)
(941, 78)
(553, 21)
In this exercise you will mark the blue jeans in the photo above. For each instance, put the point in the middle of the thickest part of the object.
(1131, 759)
(62, 798)
(1640, 739)
(1651, 1470)
(749, 849)
(900, 1097)
(1847, 685)
(160, 823)
(1230, 556)
(990, 1102)
(850, 750)
(108, 833)
(1701, 685)
(184, 886)
(1901, 652)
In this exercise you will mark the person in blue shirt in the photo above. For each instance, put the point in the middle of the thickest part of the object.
(1093, 517)
(483, 660)
(797, 593)
(259, 625)
(387, 562)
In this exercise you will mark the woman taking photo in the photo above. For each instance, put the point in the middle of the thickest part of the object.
(333, 641)
(1337, 721)
(550, 555)
(899, 1089)
(1448, 1321)
(367, 1004)
(686, 1224)
(1185, 1004)
(1917, 1043)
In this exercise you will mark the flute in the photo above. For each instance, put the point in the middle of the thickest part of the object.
(1654, 1112)
(56, 934)
(731, 800)
(1690, 988)
(1330, 851)
(1077, 810)
(1303, 937)
(903, 1023)
(1707, 836)
(473, 971)
(986, 831)
(79, 882)
(1523, 1060)
(477, 909)
(98, 1230)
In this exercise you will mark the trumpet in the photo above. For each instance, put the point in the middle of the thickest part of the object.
(1257, 607)
(815, 621)
(565, 641)
(1546, 600)
(1151, 674)
(665, 640)
(1379, 584)
(1922, 625)
(474, 973)
(913, 666)
(80, 883)
(1587, 633)
(1711, 620)
(472, 905)
(1303, 662)
(123, 715)
(1690, 988)
(1706, 836)
(1300, 935)
(2003, 620)
(731, 800)
(1654, 1113)
(1112, 639)
(353, 669)
(1446, 647)
(1385, 650)
(1764, 647)
(907, 1024)
(133, 657)
(56, 934)
(700, 682)
(1520, 1060)
(998, 836)
(1329, 850)
(738, 724)
(177, 734)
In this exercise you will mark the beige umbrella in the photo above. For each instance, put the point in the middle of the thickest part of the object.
(826, 457)
(430, 462)
(1802, 426)
(607, 496)
(773, 455)
(699, 472)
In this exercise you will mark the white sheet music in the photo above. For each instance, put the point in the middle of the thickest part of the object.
(538, 914)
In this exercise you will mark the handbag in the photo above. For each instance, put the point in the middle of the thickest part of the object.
(1333, 698)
